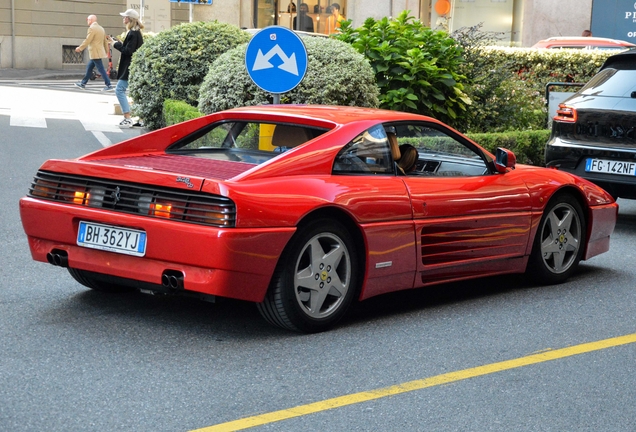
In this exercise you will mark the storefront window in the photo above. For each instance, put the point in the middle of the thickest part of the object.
(265, 11)
(310, 15)
(494, 15)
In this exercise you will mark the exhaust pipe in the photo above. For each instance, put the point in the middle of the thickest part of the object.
(57, 258)
(172, 279)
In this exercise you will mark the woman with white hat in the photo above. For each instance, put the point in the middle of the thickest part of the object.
(131, 43)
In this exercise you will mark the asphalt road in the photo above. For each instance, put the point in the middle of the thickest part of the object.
(72, 359)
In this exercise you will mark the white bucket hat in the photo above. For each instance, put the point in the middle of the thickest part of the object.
(130, 13)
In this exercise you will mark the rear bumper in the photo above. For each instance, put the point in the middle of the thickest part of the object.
(226, 262)
(570, 156)
(602, 220)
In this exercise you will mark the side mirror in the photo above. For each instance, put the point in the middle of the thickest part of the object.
(504, 159)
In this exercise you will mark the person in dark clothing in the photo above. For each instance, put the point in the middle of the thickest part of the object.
(131, 43)
(304, 21)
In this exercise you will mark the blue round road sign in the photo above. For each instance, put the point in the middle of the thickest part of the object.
(276, 59)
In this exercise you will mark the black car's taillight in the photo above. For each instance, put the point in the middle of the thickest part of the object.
(565, 114)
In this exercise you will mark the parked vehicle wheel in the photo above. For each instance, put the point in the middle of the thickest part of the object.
(87, 280)
(558, 245)
(315, 281)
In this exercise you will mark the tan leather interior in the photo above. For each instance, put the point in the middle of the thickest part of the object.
(290, 136)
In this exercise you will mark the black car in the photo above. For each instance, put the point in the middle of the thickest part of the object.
(594, 131)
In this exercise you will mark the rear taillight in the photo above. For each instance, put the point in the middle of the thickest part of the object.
(565, 114)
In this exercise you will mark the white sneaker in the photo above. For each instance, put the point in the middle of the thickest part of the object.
(126, 123)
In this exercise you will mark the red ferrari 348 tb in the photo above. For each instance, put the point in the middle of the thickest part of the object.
(302, 209)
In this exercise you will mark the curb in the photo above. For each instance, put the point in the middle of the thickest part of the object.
(37, 74)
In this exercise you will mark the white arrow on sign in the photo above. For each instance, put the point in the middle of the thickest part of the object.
(288, 65)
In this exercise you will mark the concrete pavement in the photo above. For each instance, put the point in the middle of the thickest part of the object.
(37, 74)
(31, 96)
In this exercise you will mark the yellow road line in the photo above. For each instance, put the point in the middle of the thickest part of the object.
(410, 386)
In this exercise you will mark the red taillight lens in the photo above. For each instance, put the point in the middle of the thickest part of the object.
(44, 189)
(565, 114)
(208, 214)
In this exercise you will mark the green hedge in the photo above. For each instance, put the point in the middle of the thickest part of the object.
(542, 66)
(175, 111)
(528, 145)
(507, 85)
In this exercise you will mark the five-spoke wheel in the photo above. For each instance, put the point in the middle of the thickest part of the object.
(559, 242)
(315, 281)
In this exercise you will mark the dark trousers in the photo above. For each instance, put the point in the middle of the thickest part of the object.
(95, 63)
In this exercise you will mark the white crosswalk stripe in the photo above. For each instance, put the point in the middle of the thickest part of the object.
(103, 139)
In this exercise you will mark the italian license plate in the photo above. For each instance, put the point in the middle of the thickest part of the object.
(610, 167)
(110, 238)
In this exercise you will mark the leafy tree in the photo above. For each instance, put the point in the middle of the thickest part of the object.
(416, 68)
(336, 75)
(172, 65)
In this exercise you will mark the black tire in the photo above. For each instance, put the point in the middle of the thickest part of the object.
(315, 281)
(87, 280)
(560, 241)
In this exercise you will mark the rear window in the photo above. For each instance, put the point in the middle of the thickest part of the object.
(244, 141)
(268, 137)
(612, 83)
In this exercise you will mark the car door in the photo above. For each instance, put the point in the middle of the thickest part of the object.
(468, 219)
(370, 190)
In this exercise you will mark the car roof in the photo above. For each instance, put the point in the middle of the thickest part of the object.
(625, 60)
(580, 41)
(329, 113)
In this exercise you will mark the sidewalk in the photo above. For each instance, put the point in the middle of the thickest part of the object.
(30, 105)
(35, 74)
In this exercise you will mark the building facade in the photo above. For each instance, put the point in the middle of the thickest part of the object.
(44, 33)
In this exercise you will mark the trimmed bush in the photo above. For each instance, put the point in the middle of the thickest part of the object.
(172, 65)
(545, 65)
(528, 146)
(336, 75)
(175, 111)
(417, 69)
(507, 85)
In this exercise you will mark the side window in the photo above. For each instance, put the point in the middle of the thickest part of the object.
(439, 154)
(368, 153)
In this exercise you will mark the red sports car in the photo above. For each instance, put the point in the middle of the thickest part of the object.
(302, 209)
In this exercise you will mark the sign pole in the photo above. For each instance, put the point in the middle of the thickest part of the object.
(190, 12)
(276, 98)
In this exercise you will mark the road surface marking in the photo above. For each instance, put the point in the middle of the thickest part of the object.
(355, 398)
(103, 140)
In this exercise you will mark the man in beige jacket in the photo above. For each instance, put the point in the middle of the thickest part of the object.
(97, 48)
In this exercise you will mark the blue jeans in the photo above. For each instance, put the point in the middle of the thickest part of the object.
(95, 63)
(120, 92)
